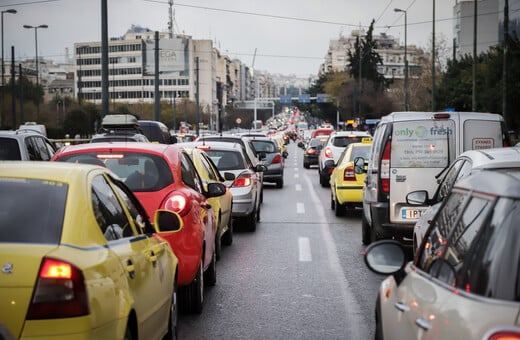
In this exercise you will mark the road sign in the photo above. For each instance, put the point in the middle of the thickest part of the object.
(285, 100)
(238, 121)
(304, 98)
(323, 98)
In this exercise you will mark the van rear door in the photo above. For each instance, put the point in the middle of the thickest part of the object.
(420, 150)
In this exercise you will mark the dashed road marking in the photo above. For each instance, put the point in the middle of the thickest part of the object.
(298, 187)
(300, 208)
(304, 248)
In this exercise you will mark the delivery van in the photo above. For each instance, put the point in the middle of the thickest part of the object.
(410, 150)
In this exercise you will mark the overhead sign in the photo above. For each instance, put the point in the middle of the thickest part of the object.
(323, 98)
(285, 99)
(304, 98)
(250, 105)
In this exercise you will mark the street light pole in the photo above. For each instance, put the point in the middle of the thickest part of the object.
(433, 58)
(406, 105)
(37, 62)
(10, 11)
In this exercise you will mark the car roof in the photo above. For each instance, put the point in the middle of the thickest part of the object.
(47, 170)
(414, 115)
(493, 158)
(20, 132)
(349, 133)
(505, 182)
(213, 144)
(132, 146)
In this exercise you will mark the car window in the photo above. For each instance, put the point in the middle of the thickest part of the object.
(455, 235)
(9, 149)
(207, 168)
(32, 149)
(109, 213)
(136, 211)
(41, 148)
(45, 197)
(226, 160)
(343, 141)
(450, 178)
(265, 146)
(376, 147)
(360, 151)
(189, 174)
(493, 268)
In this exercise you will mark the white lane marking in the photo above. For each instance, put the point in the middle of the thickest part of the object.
(350, 304)
(298, 187)
(304, 248)
(296, 175)
(300, 208)
(296, 169)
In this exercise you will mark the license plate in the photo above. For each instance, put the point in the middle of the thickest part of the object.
(411, 214)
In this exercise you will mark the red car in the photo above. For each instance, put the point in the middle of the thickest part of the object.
(162, 176)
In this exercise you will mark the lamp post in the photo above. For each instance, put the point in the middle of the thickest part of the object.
(406, 106)
(433, 57)
(10, 11)
(37, 62)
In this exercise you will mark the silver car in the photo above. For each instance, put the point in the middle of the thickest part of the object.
(267, 151)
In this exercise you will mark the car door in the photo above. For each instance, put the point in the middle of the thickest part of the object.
(148, 275)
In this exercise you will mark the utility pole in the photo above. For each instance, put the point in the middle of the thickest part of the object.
(474, 73)
(157, 95)
(433, 58)
(505, 61)
(197, 97)
(104, 59)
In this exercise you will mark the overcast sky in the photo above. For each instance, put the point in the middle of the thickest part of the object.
(289, 36)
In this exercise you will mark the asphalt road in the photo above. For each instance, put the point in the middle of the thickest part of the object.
(300, 275)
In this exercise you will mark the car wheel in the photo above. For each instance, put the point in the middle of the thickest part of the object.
(227, 238)
(332, 202)
(251, 220)
(258, 214)
(174, 316)
(279, 183)
(341, 209)
(218, 241)
(365, 230)
(210, 275)
(195, 291)
(129, 335)
(323, 181)
(379, 323)
(306, 165)
(262, 195)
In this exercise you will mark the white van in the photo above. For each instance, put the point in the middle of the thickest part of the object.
(409, 150)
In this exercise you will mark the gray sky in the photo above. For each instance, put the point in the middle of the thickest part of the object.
(290, 36)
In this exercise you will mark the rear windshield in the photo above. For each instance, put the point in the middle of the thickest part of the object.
(139, 171)
(317, 142)
(33, 211)
(343, 141)
(226, 160)
(422, 144)
(9, 149)
(264, 145)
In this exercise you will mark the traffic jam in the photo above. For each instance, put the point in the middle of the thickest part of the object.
(123, 239)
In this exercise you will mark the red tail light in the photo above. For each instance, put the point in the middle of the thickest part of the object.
(505, 335)
(385, 168)
(328, 152)
(277, 159)
(59, 292)
(349, 174)
(178, 203)
(311, 151)
(243, 180)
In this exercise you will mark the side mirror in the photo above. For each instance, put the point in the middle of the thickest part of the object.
(229, 176)
(385, 257)
(215, 189)
(300, 145)
(285, 154)
(167, 221)
(261, 155)
(329, 164)
(419, 197)
(260, 168)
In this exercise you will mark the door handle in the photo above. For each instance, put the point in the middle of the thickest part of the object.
(130, 268)
(402, 307)
(424, 324)
(152, 257)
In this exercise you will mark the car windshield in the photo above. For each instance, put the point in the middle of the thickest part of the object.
(360, 151)
(265, 146)
(33, 211)
(342, 141)
(139, 171)
(226, 160)
(9, 149)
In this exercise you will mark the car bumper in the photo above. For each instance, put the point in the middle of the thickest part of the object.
(349, 194)
(402, 232)
(243, 202)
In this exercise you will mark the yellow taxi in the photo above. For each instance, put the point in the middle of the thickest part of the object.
(80, 258)
(220, 205)
(282, 147)
(347, 179)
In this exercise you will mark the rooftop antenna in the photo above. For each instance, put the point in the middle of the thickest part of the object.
(170, 22)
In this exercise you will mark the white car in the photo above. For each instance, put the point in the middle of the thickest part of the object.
(465, 164)
(336, 143)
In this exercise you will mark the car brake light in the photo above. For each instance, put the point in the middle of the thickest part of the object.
(178, 203)
(505, 335)
(348, 174)
(328, 152)
(59, 292)
(311, 151)
(243, 180)
(277, 159)
(385, 168)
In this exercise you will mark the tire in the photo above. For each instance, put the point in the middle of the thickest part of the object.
(129, 335)
(279, 183)
(332, 202)
(195, 291)
(365, 230)
(341, 209)
(262, 194)
(218, 241)
(227, 238)
(251, 220)
(210, 275)
(379, 322)
(306, 165)
(258, 214)
(173, 320)
(323, 180)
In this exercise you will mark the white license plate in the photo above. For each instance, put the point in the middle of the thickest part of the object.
(411, 214)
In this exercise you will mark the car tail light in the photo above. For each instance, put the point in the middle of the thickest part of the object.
(349, 174)
(178, 203)
(277, 159)
(59, 292)
(243, 180)
(311, 151)
(328, 152)
(505, 335)
(385, 168)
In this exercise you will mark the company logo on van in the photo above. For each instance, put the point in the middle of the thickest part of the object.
(423, 132)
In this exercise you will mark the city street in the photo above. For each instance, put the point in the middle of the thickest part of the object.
(300, 275)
